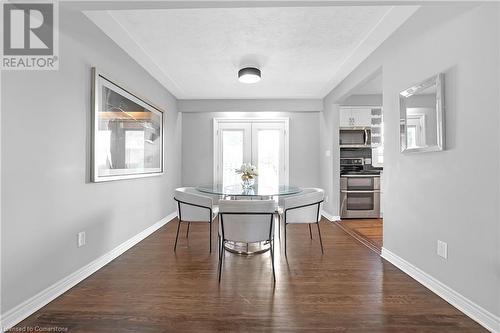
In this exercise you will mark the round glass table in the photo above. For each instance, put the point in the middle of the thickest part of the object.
(262, 191)
(236, 192)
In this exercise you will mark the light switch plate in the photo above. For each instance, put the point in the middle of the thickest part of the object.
(442, 249)
(327, 153)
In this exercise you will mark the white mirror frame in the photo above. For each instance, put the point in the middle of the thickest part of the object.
(437, 80)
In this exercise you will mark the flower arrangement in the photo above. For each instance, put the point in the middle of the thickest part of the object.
(248, 174)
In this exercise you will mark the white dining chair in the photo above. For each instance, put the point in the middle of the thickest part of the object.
(303, 208)
(246, 221)
(194, 207)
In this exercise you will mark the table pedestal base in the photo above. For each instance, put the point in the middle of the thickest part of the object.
(247, 248)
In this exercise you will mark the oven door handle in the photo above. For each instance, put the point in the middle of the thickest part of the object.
(369, 191)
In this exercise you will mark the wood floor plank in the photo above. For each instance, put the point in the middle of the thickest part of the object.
(150, 288)
(367, 231)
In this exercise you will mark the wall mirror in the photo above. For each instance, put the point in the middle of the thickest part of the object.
(421, 110)
(127, 133)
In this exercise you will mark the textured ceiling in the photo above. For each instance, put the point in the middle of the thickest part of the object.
(299, 50)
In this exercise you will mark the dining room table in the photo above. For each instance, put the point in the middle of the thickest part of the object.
(256, 192)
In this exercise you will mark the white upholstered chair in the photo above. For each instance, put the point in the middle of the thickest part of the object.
(246, 221)
(303, 208)
(194, 207)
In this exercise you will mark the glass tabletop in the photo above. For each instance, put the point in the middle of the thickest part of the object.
(256, 190)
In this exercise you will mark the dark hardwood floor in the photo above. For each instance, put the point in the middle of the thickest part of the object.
(367, 231)
(150, 288)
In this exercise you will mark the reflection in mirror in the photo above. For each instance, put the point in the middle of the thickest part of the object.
(421, 116)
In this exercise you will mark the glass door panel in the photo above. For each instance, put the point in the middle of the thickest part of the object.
(268, 163)
(234, 150)
(360, 201)
(268, 153)
(232, 156)
(360, 183)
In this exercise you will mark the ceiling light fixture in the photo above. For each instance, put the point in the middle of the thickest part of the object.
(249, 75)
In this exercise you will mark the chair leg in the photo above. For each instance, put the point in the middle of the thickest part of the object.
(187, 231)
(177, 235)
(284, 229)
(310, 232)
(279, 227)
(210, 228)
(218, 252)
(221, 256)
(220, 244)
(320, 241)
(272, 260)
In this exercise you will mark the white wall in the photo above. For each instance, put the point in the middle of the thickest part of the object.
(363, 100)
(250, 105)
(46, 195)
(452, 195)
(197, 145)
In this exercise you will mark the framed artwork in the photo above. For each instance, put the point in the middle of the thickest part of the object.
(127, 133)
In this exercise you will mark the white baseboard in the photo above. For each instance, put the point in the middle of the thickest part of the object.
(28, 307)
(329, 216)
(485, 318)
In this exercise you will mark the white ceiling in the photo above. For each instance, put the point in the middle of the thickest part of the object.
(302, 52)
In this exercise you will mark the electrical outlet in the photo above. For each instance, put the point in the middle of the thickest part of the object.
(81, 239)
(326, 198)
(442, 249)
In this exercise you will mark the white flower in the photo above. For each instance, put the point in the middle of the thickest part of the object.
(247, 170)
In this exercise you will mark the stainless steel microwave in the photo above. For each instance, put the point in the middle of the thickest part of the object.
(355, 137)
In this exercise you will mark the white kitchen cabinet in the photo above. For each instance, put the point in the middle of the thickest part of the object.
(378, 157)
(345, 117)
(355, 117)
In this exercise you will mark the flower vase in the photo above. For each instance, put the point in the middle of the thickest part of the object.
(247, 182)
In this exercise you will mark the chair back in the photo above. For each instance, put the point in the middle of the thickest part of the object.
(304, 207)
(246, 221)
(192, 206)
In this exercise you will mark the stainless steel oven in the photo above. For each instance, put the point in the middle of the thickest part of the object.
(360, 196)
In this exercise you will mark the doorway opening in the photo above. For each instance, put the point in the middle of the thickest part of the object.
(361, 154)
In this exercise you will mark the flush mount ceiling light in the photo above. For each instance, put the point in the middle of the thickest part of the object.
(249, 75)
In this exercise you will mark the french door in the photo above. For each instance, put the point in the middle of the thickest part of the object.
(263, 143)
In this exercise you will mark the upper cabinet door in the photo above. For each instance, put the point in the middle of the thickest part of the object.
(362, 117)
(355, 117)
(345, 119)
